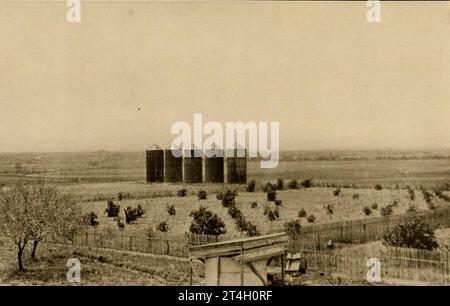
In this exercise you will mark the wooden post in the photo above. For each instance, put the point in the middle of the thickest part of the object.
(242, 264)
(190, 272)
(218, 271)
(282, 269)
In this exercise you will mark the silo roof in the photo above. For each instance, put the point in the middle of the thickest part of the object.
(154, 147)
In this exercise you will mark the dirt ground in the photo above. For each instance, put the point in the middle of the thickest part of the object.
(98, 267)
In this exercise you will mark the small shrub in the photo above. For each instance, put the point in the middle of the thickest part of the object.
(307, 183)
(120, 224)
(254, 204)
(171, 210)
(412, 234)
(293, 184)
(280, 184)
(386, 211)
(278, 202)
(268, 186)
(201, 195)
(394, 203)
(337, 192)
(219, 196)
(243, 225)
(229, 198)
(132, 214)
(234, 212)
(150, 233)
(367, 211)
(411, 193)
(311, 219)
(378, 187)
(441, 195)
(163, 227)
(90, 219)
(428, 197)
(374, 206)
(293, 228)
(251, 186)
(355, 196)
(206, 222)
(120, 196)
(272, 214)
(182, 192)
(112, 210)
(302, 213)
(329, 209)
(140, 211)
(271, 195)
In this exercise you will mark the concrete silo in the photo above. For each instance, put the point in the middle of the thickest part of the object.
(237, 166)
(155, 164)
(214, 165)
(192, 165)
(173, 165)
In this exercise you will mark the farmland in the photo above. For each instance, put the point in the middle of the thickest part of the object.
(358, 169)
(312, 200)
(346, 186)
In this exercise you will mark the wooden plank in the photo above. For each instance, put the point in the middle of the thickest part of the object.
(232, 247)
(261, 253)
(252, 267)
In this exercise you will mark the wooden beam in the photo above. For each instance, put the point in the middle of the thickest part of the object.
(261, 253)
(234, 247)
(252, 267)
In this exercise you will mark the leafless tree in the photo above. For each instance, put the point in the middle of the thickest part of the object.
(34, 212)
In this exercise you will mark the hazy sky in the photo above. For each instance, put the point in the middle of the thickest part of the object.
(332, 80)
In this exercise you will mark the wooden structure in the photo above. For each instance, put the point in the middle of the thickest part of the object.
(239, 262)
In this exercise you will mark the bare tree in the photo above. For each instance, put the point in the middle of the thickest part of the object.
(55, 215)
(31, 213)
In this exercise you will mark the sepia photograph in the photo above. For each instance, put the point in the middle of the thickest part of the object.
(244, 144)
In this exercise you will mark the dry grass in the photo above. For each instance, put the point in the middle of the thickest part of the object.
(98, 267)
(313, 200)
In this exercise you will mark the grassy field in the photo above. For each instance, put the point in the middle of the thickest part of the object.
(365, 169)
(92, 178)
(98, 267)
(313, 200)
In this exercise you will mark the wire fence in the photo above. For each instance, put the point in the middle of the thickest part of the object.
(396, 264)
(362, 230)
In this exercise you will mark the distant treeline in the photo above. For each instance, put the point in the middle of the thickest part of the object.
(360, 158)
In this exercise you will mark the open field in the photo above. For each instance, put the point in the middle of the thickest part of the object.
(93, 178)
(361, 169)
(312, 200)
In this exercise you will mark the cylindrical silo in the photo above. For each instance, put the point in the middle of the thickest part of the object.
(237, 166)
(173, 165)
(155, 164)
(214, 165)
(192, 165)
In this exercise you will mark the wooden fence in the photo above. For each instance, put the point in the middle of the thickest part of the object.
(397, 264)
(137, 241)
(362, 230)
